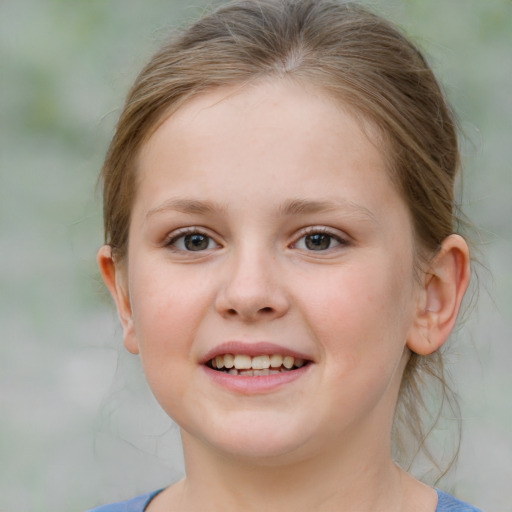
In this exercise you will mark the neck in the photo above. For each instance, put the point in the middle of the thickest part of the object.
(347, 477)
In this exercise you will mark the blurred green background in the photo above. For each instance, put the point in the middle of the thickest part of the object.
(78, 426)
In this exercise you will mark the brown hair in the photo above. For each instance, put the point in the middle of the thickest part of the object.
(347, 51)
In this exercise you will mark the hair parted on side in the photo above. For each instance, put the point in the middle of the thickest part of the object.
(346, 51)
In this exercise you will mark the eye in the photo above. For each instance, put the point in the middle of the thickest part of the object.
(192, 242)
(319, 240)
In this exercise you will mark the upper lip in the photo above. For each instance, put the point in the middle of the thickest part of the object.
(252, 349)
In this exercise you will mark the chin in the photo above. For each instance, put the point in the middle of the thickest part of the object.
(252, 438)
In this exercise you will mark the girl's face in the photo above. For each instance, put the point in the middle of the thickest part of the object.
(265, 224)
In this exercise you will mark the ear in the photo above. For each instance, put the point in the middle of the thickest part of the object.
(443, 289)
(115, 278)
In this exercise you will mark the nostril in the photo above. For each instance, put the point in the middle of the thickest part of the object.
(265, 310)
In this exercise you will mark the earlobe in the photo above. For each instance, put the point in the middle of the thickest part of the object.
(445, 284)
(115, 280)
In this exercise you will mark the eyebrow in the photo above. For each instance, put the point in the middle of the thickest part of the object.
(191, 206)
(306, 206)
(291, 207)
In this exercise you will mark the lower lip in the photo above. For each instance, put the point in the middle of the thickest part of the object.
(250, 385)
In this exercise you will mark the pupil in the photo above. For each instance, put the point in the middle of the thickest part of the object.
(196, 242)
(318, 242)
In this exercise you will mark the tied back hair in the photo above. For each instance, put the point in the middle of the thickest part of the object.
(357, 58)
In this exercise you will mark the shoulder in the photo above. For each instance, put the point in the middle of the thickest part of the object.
(137, 504)
(448, 503)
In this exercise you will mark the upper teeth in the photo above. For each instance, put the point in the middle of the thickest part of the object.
(245, 362)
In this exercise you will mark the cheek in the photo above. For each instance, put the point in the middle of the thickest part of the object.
(166, 318)
(362, 313)
(166, 308)
(361, 329)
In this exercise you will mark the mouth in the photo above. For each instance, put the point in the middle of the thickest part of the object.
(255, 366)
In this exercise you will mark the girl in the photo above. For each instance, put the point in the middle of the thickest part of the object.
(281, 248)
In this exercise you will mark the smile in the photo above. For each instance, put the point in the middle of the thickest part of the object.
(260, 365)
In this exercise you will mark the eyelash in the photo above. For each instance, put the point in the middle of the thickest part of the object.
(321, 231)
(171, 243)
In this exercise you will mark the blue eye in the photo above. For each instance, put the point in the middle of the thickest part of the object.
(318, 241)
(193, 242)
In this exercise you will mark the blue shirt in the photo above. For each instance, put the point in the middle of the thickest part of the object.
(446, 503)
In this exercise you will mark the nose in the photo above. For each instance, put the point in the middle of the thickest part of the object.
(252, 289)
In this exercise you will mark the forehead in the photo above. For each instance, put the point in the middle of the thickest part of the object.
(261, 106)
(231, 136)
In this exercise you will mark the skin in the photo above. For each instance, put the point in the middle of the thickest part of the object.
(259, 170)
